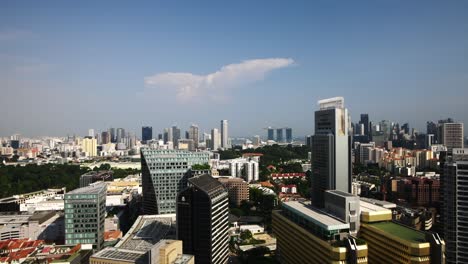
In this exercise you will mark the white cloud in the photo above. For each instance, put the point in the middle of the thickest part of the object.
(189, 86)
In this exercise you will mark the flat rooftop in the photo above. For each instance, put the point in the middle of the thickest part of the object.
(316, 216)
(344, 194)
(92, 189)
(147, 231)
(400, 231)
(372, 208)
(384, 204)
(119, 254)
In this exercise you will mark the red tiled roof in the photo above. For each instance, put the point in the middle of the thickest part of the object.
(112, 235)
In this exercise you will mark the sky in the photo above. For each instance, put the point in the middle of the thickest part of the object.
(67, 66)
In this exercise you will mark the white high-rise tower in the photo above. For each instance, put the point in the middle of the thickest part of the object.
(224, 134)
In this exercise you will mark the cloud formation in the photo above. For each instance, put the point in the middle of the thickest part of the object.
(189, 86)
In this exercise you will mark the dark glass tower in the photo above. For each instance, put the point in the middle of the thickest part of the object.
(146, 133)
(365, 122)
(202, 220)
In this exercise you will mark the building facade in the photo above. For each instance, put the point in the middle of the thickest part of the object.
(146, 133)
(455, 206)
(164, 174)
(452, 135)
(202, 220)
(331, 146)
(85, 211)
(238, 190)
(224, 134)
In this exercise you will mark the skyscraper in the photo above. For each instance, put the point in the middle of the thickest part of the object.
(365, 121)
(85, 211)
(202, 220)
(164, 174)
(331, 146)
(105, 137)
(289, 137)
(224, 134)
(279, 135)
(194, 135)
(215, 139)
(451, 135)
(146, 133)
(120, 135)
(91, 133)
(271, 133)
(454, 183)
(175, 135)
(113, 136)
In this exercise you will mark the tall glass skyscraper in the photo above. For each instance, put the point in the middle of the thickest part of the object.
(85, 212)
(146, 133)
(164, 174)
(331, 150)
(203, 220)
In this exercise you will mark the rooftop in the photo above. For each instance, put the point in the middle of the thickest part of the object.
(400, 231)
(94, 188)
(338, 192)
(119, 254)
(384, 204)
(207, 184)
(314, 215)
(147, 231)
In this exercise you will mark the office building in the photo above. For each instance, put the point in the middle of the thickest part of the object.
(454, 181)
(279, 135)
(451, 135)
(113, 136)
(175, 136)
(289, 136)
(85, 211)
(193, 134)
(390, 242)
(307, 235)
(345, 207)
(331, 150)
(365, 121)
(271, 133)
(202, 220)
(91, 133)
(146, 133)
(139, 244)
(164, 174)
(105, 138)
(238, 190)
(89, 146)
(224, 135)
(120, 135)
(215, 139)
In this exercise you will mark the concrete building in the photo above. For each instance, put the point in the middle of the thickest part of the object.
(345, 207)
(215, 139)
(89, 146)
(452, 135)
(85, 211)
(194, 135)
(137, 245)
(238, 190)
(170, 252)
(307, 235)
(331, 150)
(164, 174)
(454, 181)
(202, 220)
(390, 242)
(45, 225)
(224, 135)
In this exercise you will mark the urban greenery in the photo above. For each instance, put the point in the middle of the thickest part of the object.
(32, 177)
(205, 166)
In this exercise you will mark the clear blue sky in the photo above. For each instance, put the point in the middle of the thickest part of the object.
(69, 66)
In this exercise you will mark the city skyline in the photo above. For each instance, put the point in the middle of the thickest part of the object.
(66, 67)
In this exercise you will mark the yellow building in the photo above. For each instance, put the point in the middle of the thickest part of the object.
(306, 235)
(170, 252)
(391, 242)
(89, 146)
